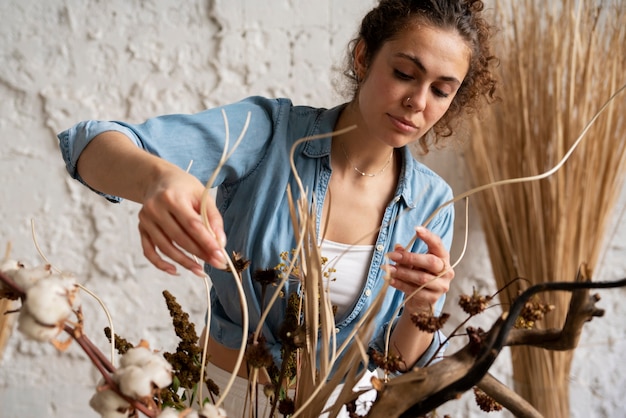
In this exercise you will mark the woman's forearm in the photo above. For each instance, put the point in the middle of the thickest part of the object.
(408, 341)
(113, 164)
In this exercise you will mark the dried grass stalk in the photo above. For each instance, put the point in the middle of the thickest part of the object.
(315, 384)
(560, 61)
(6, 323)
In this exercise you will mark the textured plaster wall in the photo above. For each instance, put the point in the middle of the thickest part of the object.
(67, 60)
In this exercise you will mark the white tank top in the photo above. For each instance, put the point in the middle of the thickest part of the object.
(351, 264)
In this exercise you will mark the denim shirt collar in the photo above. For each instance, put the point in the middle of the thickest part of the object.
(321, 148)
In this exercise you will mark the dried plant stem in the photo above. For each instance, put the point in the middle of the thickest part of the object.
(281, 284)
(313, 388)
(242, 296)
(205, 342)
(6, 323)
(106, 311)
(6, 305)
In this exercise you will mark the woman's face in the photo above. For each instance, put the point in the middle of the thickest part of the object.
(410, 83)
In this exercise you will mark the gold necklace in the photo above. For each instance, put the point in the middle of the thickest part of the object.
(363, 173)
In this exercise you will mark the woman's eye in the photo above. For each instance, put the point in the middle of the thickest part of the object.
(401, 75)
(440, 93)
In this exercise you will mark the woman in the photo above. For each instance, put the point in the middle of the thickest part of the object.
(416, 66)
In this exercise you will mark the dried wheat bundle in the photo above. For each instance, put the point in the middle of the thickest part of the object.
(560, 61)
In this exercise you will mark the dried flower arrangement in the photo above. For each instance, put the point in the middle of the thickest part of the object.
(167, 385)
(172, 385)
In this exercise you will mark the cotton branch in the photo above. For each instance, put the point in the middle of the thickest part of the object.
(9, 289)
(422, 390)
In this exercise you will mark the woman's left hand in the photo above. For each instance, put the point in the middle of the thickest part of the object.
(412, 271)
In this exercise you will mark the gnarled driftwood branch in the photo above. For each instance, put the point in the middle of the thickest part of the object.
(420, 391)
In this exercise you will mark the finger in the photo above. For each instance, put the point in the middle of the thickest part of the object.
(193, 236)
(155, 239)
(149, 251)
(207, 245)
(433, 242)
(412, 261)
(184, 225)
(215, 222)
(184, 228)
(420, 286)
(417, 295)
(419, 278)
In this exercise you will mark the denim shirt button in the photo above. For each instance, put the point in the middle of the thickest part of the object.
(336, 330)
(380, 247)
(368, 292)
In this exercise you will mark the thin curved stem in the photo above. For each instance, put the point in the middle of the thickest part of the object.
(452, 266)
(242, 296)
(528, 178)
(106, 311)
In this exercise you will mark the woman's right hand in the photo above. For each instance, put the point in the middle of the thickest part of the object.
(171, 225)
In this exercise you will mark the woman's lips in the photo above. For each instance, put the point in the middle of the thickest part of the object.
(402, 124)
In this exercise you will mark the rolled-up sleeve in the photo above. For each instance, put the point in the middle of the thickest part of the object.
(73, 141)
(185, 138)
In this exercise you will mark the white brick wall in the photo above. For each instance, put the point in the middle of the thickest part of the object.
(68, 60)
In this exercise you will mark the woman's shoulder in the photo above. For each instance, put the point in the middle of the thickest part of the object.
(276, 106)
(293, 122)
(282, 111)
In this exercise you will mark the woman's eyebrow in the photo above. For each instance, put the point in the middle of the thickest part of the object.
(422, 68)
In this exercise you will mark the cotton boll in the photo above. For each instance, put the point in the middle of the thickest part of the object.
(138, 381)
(159, 372)
(30, 327)
(211, 411)
(157, 369)
(137, 356)
(169, 413)
(73, 291)
(49, 301)
(109, 404)
(134, 382)
(26, 277)
(8, 266)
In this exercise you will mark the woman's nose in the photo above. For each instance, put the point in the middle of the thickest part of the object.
(416, 100)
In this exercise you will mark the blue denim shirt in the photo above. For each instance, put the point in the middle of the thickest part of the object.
(251, 195)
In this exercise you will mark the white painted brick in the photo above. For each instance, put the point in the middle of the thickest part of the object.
(69, 60)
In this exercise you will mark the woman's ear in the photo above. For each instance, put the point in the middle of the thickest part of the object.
(360, 60)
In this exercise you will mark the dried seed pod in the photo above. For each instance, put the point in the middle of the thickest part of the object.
(475, 304)
(486, 402)
(427, 322)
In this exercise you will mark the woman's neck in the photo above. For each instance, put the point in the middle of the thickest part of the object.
(356, 152)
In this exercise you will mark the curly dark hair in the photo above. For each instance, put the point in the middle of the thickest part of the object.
(391, 17)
